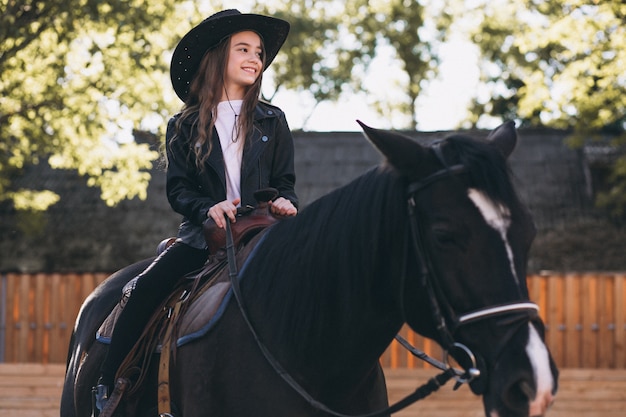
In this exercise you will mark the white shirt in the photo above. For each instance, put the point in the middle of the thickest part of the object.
(232, 147)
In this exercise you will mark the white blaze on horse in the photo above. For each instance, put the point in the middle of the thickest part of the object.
(435, 237)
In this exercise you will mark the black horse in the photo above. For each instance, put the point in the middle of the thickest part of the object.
(435, 237)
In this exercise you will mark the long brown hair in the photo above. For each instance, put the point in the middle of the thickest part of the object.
(205, 92)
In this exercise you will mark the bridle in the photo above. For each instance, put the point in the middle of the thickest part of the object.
(449, 322)
(445, 327)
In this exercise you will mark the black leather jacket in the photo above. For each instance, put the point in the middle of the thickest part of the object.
(267, 162)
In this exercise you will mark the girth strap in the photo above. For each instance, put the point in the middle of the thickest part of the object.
(163, 390)
(121, 384)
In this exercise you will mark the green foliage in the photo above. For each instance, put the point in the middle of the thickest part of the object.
(319, 53)
(559, 64)
(77, 77)
(332, 43)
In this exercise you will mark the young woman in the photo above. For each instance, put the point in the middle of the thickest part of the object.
(222, 147)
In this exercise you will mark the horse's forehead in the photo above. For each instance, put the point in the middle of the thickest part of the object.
(498, 217)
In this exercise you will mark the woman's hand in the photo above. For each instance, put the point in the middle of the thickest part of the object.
(228, 208)
(283, 207)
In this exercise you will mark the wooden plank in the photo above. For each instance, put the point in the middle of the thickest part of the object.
(86, 285)
(23, 388)
(554, 332)
(589, 298)
(605, 334)
(30, 389)
(34, 389)
(593, 375)
(619, 344)
(9, 344)
(67, 311)
(17, 319)
(38, 318)
(572, 321)
(582, 393)
(415, 341)
(100, 277)
(76, 291)
(55, 342)
(24, 329)
(537, 290)
(47, 320)
(31, 369)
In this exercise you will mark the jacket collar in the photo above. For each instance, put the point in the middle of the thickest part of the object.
(254, 146)
(262, 111)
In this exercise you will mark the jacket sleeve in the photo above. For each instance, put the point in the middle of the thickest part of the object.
(283, 176)
(183, 188)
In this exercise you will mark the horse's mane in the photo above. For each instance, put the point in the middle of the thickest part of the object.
(328, 263)
(320, 266)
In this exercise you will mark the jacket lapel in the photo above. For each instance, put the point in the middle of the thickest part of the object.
(256, 143)
(215, 161)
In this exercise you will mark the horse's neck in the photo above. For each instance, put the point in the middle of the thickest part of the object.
(331, 290)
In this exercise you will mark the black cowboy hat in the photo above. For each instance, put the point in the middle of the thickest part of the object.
(208, 34)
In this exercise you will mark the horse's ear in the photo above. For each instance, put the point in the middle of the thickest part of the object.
(504, 137)
(400, 151)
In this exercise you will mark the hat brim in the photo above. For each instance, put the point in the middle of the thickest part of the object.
(208, 34)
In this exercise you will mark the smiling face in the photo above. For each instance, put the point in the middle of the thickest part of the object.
(245, 64)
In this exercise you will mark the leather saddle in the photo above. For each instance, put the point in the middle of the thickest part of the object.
(249, 222)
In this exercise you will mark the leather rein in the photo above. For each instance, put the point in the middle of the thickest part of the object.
(428, 388)
(437, 301)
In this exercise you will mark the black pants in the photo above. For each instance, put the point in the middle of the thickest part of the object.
(155, 283)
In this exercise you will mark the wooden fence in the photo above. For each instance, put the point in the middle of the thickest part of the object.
(39, 314)
(584, 314)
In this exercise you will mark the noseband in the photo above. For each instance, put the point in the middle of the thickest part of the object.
(429, 280)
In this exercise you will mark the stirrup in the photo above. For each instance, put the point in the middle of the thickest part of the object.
(99, 398)
(108, 402)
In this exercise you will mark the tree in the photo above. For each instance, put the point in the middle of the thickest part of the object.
(331, 45)
(314, 59)
(77, 78)
(402, 24)
(558, 64)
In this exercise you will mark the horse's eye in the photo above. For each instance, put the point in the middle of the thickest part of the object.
(449, 235)
(444, 236)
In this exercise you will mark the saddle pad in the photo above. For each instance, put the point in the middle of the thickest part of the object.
(203, 313)
(199, 318)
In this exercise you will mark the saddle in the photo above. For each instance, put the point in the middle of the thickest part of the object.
(249, 222)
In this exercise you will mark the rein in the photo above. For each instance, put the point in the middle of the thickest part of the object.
(421, 392)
